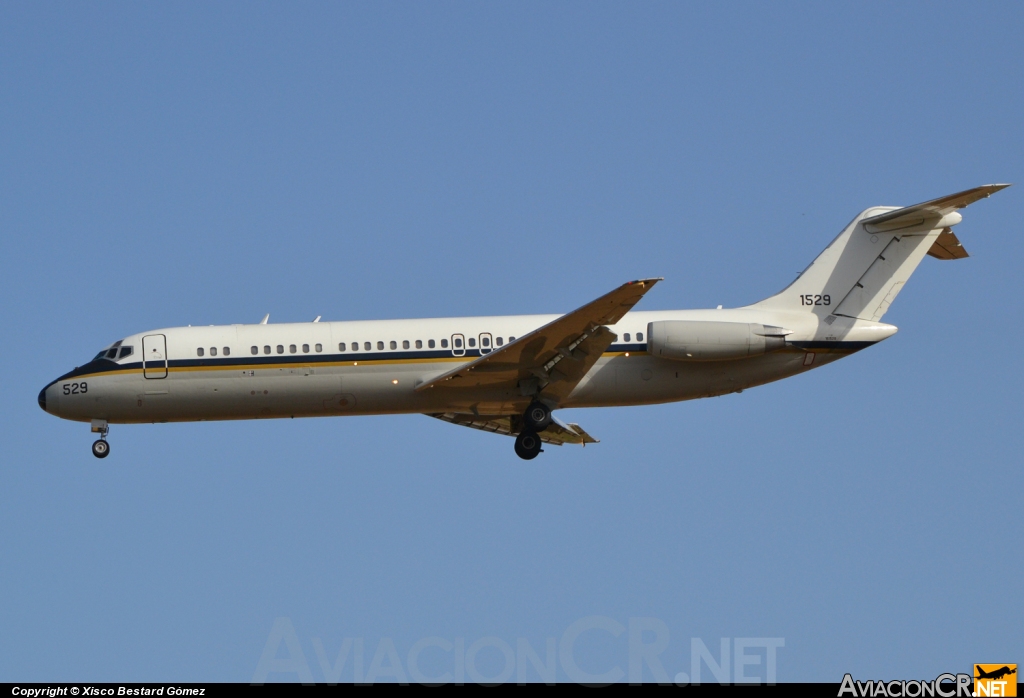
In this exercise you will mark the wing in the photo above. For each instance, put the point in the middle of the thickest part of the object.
(911, 216)
(556, 433)
(554, 358)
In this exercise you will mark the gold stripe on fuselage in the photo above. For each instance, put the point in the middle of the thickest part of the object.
(309, 364)
(384, 362)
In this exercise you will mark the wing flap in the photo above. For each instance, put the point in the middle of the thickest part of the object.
(557, 433)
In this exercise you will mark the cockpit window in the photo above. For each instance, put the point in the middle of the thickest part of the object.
(125, 351)
(110, 353)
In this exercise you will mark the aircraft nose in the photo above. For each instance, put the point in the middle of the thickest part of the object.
(49, 406)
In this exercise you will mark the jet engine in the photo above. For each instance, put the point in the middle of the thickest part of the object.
(696, 340)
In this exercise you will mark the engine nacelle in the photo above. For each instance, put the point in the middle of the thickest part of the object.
(698, 340)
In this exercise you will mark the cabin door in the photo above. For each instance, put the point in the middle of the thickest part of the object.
(154, 356)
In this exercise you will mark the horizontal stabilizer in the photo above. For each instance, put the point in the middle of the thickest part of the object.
(929, 212)
(947, 246)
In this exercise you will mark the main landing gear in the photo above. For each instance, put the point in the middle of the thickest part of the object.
(100, 447)
(527, 445)
(536, 418)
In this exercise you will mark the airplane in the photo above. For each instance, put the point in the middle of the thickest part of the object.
(508, 375)
(996, 674)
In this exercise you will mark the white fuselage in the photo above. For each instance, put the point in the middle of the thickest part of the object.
(507, 374)
(325, 368)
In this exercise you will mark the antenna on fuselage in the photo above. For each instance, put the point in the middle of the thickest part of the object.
(265, 318)
(318, 318)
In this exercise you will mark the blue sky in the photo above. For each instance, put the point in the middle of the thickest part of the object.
(186, 163)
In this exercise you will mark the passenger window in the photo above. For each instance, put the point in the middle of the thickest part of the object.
(405, 343)
(125, 351)
(499, 341)
(639, 336)
(444, 343)
(419, 343)
(254, 350)
(394, 344)
(430, 344)
(266, 348)
(366, 346)
(458, 343)
(305, 348)
(280, 348)
(227, 351)
(292, 349)
(213, 351)
(199, 351)
(472, 341)
(626, 336)
(511, 339)
(319, 347)
(485, 341)
(341, 347)
(380, 346)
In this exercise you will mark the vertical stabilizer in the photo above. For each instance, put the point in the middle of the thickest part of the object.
(860, 274)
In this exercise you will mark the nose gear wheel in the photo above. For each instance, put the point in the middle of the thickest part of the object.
(100, 448)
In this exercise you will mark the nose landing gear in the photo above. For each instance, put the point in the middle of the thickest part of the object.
(100, 447)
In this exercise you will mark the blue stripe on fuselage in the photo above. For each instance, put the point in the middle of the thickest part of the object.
(101, 366)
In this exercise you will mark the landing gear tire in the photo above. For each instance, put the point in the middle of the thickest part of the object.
(100, 448)
(528, 445)
(537, 416)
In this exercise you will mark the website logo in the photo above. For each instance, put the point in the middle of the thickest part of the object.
(995, 680)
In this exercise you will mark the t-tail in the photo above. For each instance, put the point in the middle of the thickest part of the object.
(860, 274)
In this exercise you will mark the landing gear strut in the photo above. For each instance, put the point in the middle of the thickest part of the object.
(100, 448)
(527, 444)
